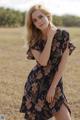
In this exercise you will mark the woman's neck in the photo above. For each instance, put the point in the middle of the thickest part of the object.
(45, 32)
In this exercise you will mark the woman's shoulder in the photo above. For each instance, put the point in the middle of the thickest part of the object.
(61, 33)
(38, 45)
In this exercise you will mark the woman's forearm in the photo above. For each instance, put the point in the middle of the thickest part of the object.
(61, 68)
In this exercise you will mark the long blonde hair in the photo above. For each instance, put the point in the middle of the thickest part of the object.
(34, 34)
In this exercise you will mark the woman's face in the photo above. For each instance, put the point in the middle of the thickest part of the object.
(40, 20)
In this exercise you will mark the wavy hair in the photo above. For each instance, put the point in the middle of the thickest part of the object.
(33, 33)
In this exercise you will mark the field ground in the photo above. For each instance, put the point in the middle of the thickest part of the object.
(14, 69)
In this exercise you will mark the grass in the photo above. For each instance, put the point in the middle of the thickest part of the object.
(14, 69)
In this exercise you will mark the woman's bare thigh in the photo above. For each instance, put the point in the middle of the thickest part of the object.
(63, 114)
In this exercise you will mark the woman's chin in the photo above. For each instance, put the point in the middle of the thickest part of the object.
(44, 28)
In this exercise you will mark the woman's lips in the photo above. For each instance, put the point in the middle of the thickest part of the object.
(41, 25)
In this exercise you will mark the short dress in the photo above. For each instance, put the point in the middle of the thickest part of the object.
(34, 103)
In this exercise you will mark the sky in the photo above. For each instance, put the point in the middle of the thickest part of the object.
(58, 7)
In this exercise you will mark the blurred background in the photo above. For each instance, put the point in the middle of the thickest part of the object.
(14, 67)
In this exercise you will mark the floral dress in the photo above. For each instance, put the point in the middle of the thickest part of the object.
(34, 103)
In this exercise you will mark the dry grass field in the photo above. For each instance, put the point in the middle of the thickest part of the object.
(14, 69)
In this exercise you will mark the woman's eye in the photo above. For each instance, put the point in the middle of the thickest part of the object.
(40, 16)
(34, 20)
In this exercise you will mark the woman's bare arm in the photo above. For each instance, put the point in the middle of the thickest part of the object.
(61, 68)
(43, 57)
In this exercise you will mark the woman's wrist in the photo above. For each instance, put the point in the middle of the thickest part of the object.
(49, 40)
(53, 86)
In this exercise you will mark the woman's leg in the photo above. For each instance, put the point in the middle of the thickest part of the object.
(63, 114)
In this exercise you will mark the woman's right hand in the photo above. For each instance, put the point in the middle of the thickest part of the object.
(51, 32)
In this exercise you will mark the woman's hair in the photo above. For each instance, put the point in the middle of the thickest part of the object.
(33, 33)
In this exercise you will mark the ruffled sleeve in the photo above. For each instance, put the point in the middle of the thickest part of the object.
(29, 54)
(36, 46)
(67, 42)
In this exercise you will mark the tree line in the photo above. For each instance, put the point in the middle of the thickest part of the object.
(15, 18)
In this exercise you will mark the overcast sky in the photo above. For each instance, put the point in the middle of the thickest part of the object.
(58, 7)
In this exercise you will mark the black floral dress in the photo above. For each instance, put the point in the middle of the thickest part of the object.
(34, 103)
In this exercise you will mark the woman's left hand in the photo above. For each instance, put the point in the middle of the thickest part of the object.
(50, 94)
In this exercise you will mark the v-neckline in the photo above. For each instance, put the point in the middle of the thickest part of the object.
(44, 41)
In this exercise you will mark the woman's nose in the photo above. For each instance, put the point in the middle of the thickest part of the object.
(39, 21)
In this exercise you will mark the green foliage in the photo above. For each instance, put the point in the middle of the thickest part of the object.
(69, 20)
(57, 20)
(15, 18)
(11, 18)
(66, 20)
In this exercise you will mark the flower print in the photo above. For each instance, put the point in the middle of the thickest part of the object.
(28, 103)
(31, 115)
(47, 69)
(34, 88)
(58, 93)
(29, 54)
(53, 47)
(39, 75)
(33, 75)
(39, 105)
(54, 111)
(57, 44)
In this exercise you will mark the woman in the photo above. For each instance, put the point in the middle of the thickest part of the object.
(43, 92)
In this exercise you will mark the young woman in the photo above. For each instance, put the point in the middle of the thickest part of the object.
(43, 92)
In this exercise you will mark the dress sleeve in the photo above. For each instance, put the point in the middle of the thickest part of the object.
(29, 54)
(36, 46)
(67, 42)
